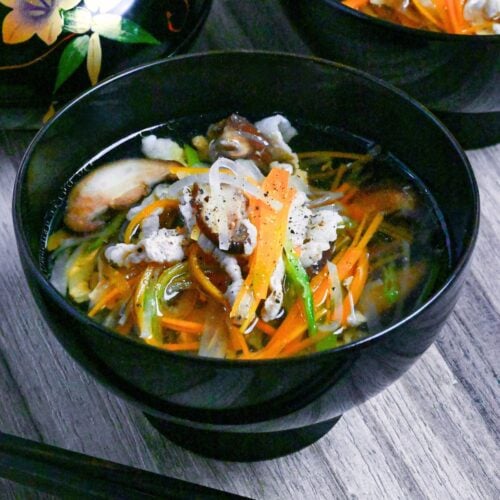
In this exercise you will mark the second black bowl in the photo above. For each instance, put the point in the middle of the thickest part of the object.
(457, 76)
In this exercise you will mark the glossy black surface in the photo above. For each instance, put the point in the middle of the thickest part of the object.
(245, 446)
(448, 73)
(28, 69)
(231, 396)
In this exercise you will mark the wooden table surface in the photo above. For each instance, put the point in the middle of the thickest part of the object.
(433, 434)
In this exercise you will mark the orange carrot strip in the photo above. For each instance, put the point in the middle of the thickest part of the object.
(452, 14)
(105, 300)
(359, 231)
(442, 10)
(182, 325)
(344, 187)
(348, 195)
(428, 14)
(299, 345)
(238, 340)
(186, 346)
(338, 177)
(459, 10)
(201, 277)
(346, 263)
(372, 229)
(263, 326)
(295, 323)
(125, 328)
(271, 232)
(145, 212)
(185, 337)
(337, 257)
(356, 4)
(355, 290)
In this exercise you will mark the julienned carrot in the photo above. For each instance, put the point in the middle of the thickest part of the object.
(383, 200)
(442, 11)
(356, 4)
(185, 346)
(295, 322)
(146, 212)
(374, 292)
(118, 287)
(202, 278)
(349, 195)
(338, 177)
(346, 264)
(266, 328)
(459, 10)
(428, 14)
(238, 340)
(300, 345)
(182, 325)
(126, 327)
(344, 187)
(355, 289)
(453, 15)
(271, 232)
(359, 231)
(104, 301)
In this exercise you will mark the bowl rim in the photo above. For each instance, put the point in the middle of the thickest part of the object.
(426, 34)
(79, 316)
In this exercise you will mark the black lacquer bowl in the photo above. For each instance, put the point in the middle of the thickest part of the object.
(274, 406)
(52, 50)
(457, 76)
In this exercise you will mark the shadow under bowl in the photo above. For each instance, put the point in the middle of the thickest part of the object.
(280, 404)
(456, 76)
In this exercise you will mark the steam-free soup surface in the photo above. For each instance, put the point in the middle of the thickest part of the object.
(246, 239)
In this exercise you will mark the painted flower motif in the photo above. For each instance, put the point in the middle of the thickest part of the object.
(30, 17)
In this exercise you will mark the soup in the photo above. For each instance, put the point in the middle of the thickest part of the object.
(469, 17)
(230, 244)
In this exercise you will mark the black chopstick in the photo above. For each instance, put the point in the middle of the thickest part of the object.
(75, 475)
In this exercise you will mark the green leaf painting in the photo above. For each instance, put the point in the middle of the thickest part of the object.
(71, 58)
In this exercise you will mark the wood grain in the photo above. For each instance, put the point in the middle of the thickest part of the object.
(433, 434)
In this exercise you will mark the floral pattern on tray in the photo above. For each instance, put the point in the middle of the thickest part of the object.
(84, 22)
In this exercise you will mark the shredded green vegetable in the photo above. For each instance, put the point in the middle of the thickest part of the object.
(391, 287)
(298, 276)
(108, 232)
(191, 155)
(173, 280)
